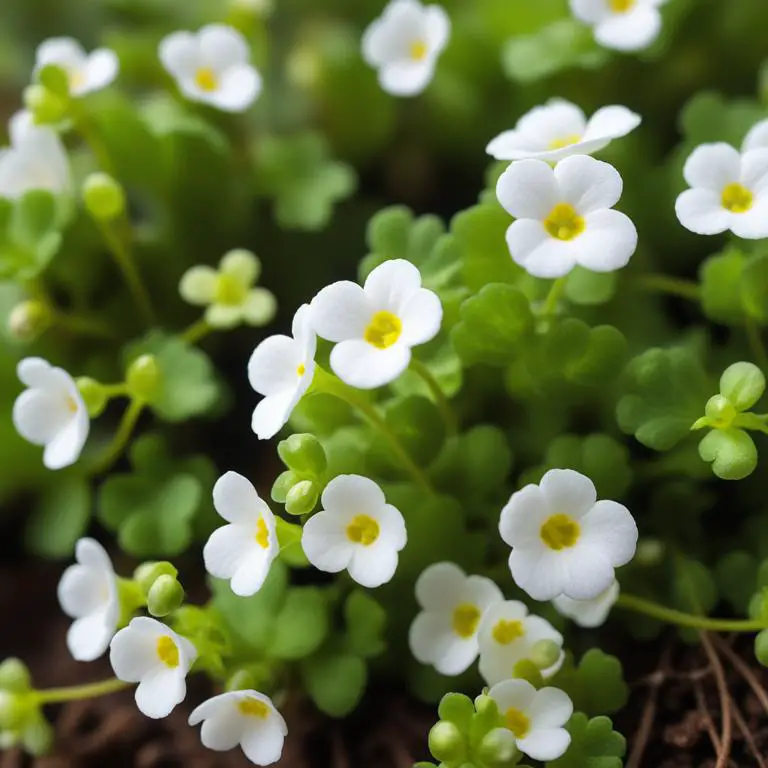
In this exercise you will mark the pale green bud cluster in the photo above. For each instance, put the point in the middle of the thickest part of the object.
(28, 320)
(21, 719)
(300, 486)
(160, 587)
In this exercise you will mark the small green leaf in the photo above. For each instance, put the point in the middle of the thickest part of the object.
(709, 117)
(335, 681)
(588, 288)
(736, 575)
(731, 452)
(721, 296)
(289, 537)
(418, 425)
(596, 686)
(754, 287)
(365, 621)
(301, 626)
(594, 744)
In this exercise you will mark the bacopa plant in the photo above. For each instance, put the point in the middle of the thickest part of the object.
(504, 432)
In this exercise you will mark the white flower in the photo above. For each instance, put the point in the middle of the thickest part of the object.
(376, 326)
(51, 412)
(564, 216)
(404, 43)
(281, 368)
(88, 593)
(36, 159)
(624, 25)
(444, 634)
(507, 635)
(729, 191)
(560, 129)
(535, 719)
(588, 613)
(247, 718)
(563, 540)
(242, 551)
(212, 67)
(356, 529)
(87, 72)
(757, 137)
(151, 654)
(228, 292)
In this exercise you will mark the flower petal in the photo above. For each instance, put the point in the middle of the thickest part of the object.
(438, 26)
(64, 52)
(753, 224)
(539, 254)
(588, 613)
(481, 591)
(610, 526)
(513, 693)
(701, 211)
(430, 638)
(421, 316)
(222, 47)
(240, 86)
(33, 371)
(101, 70)
(608, 242)
(272, 414)
(81, 591)
(39, 415)
(556, 121)
(611, 122)
(374, 565)
(325, 543)
(349, 495)
(66, 447)
(222, 732)
(273, 366)
(227, 549)
(551, 708)
(528, 189)
(361, 365)
(587, 572)
(391, 285)
(392, 527)
(522, 516)
(253, 571)
(89, 637)
(754, 171)
(263, 745)
(198, 285)
(406, 77)
(712, 167)
(630, 31)
(757, 137)
(589, 11)
(588, 184)
(180, 54)
(160, 691)
(341, 311)
(545, 745)
(236, 500)
(132, 654)
(542, 573)
(569, 492)
(438, 585)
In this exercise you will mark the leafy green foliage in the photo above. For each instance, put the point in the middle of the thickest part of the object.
(596, 686)
(709, 117)
(365, 621)
(721, 286)
(335, 681)
(594, 744)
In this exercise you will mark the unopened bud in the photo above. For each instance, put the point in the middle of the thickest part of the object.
(14, 676)
(649, 552)
(497, 749)
(37, 736)
(301, 499)
(28, 320)
(94, 395)
(446, 742)
(304, 454)
(720, 411)
(525, 669)
(164, 596)
(143, 378)
(761, 647)
(545, 653)
(148, 573)
(55, 79)
(12, 711)
(282, 485)
(103, 196)
(46, 107)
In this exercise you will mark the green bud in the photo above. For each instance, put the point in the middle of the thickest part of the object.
(28, 320)
(241, 680)
(103, 196)
(720, 412)
(649, 552)
(761, 647)
(143, 378)
(37, 736)
(545, 653)
(14, 676)
(303, 454)
(280, 488)
(743, 384)
(55, 79)
(13, 711)
(456, 708)
(94, 395)
(148, 573)
(46, 107)
(758, 605)
(446, 742)
(164, 596)
(301, 499)
(497, 749)
(525, 669)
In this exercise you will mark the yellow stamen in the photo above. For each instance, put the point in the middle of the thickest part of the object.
(253, 708)
(418, 50)
(737, 198)
(383, 330)
(262, 534)
(505, 632)
(622, 6)
(168, 651)
(229, 290)
(560, 532)
(77, 79)
(565, 141)
(563, 223)
(71, 404)
(206, 79)
(301, 370)
(517, 722)
(466, 617)
(363, 530)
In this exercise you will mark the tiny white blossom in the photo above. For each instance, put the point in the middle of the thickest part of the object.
(559, 129)
(565, 217)
(281, 368)
(36, 159)
(453, 604)
(588, 613)
(88, 594)
(534, 719)
(151, 654)
(228, 293)
(757, 137)
(375, 326)
(563, 540)
(355, 529)
(729, 191)
(624, 25)
(247, 718)
(51, 412)
(242, 551)
(404, 44)
(87, 72)
(212, 67)
(507, 635)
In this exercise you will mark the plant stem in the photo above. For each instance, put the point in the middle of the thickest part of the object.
(673, 286)
(682, 619)
(553, 297)
(446, 410)
(758, 348)
(329, 384)
(121, 438)
(87, 691)
(84, 326)
(196, 331)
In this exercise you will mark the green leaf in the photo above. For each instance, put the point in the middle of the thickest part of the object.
(721, 281)
(365, 621)
(694, 589)
(289, 537)
(736, 574)
(187, 378)
(588, 288)
(418, 425)
(494, 325)
(596, 686)
(709, 117)
(754, 287)
(335, 681)
(60, 518)
(594, 744)
(731, 452)
(666, 391)
(301, 626)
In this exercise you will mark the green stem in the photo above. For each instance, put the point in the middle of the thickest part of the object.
(673, 286)
(121, 438)
(446, 410)
(553, 297)
(196, 331)
(75, 692)
(82, 325)
(756, 342)
(329, 384)
(682, 619)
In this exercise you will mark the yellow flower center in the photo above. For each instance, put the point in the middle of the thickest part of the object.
(77, 79)
(383, 330)
(737, 198)
(560, 532)
(622, 6)
(168, 651)
(565, 141)
(505, 632)
(418, 50)
(229, 290)
(466, 617)
(262, 534)
(363, 530)
(563, 222)
(206, 79)
(71, 404)
(301, 370)
(517, 722)
(253, 708)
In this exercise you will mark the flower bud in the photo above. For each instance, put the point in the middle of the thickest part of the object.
(720, 411)
(94, 395)
(301, 499)
(743, 384)
(13, 712)
(758, 605)
(761, 647)
(55, 79)
(649, 552)
(446, 742)
(497, 749)
(456, 708)
(37, 737)
(46, 107)
(103, 196)
(525, 669)
(147, 573)
(284, 482)
(164, 596)
(545, 653)
(28, 320)
(14, 676)
(303, 454)
(143, 378)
